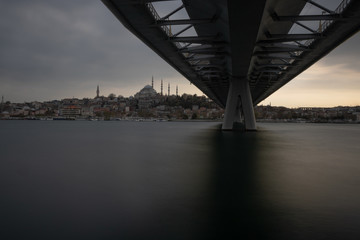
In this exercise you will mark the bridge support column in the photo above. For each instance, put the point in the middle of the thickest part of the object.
(238, 111)
(239, 91)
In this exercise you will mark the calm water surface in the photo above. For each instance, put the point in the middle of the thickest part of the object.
(178, 180)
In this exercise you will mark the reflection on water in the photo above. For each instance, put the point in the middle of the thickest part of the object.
(236, 210)
(127, 180)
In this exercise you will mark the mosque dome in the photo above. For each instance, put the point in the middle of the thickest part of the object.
(146, 92)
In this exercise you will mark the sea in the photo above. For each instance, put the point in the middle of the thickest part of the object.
(178, 180)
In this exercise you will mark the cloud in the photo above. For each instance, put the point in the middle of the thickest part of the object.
(323, 85)
(322, 77)
(67, 47)
(334, 80)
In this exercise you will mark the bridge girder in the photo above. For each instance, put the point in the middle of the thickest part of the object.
(255, 46)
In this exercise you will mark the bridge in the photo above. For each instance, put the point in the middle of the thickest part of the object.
(239, 52)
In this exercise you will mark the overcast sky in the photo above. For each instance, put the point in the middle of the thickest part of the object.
(55, 49)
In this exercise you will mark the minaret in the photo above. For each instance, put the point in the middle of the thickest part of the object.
(97, 91)
(177, 90)
(2, 104)
(168, 89)
(161, 87)
(152, 82)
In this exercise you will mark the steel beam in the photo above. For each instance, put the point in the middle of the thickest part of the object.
(209, 52)
(268, 71)
(173, 12)
(131, 2)
(186, 46)
(273, 65)
(319, 6)
(210, 71)
(181, 31)
(200, 49)
(211, 76)
(279, 57)
(182, 22)
(286, 49)
(306, 17)
(295, 36)
(259, 53)
(306, 27)
(282, 40)
(194, 39)
(293, 47)
(205, 46)
(201, 72)
(202, 58)
(208, 66)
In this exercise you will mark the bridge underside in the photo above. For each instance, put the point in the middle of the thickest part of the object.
(240, 53)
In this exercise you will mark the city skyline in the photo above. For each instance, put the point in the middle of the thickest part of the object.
(98, 92)
(55, 50)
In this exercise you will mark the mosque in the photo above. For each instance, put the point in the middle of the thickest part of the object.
(147, 92)
(148, 95)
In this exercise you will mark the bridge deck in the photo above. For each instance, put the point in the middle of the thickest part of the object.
(238, 41)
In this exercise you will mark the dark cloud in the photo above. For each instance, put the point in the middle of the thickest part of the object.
(62, 44)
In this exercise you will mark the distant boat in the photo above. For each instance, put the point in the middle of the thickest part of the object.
(31, 118)
(63, 118)
(46, 119)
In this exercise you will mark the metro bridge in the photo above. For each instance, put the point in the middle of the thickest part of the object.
(239, 52)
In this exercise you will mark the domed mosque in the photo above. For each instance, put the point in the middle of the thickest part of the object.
(147, 92)
(147, 96)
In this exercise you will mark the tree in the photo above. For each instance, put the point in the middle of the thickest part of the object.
(112, 96)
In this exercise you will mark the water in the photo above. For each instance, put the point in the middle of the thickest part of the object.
(178, 180)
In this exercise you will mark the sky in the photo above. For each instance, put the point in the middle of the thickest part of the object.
(52, 49)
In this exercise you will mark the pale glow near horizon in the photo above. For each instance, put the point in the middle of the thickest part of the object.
(319, 86)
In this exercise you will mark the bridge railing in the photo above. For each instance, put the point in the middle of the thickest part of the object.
(327, 23)
(157, 17)
(338, 10)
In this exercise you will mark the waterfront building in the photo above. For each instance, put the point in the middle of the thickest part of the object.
(4, 115)
(85, 111)
(70, 101)
(195, 107)
(70, 111)
(358, 117)
(41, 111)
